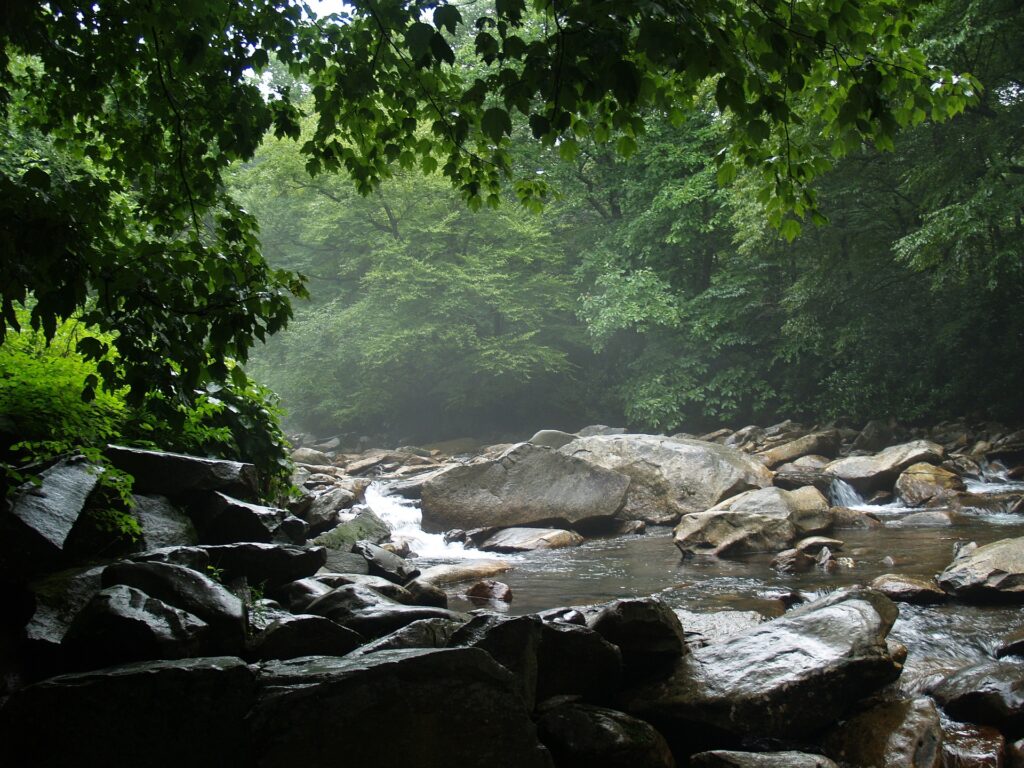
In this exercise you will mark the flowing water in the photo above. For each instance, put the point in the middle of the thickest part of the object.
(939, 638)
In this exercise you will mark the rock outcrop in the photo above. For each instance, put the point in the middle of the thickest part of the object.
(992, 572)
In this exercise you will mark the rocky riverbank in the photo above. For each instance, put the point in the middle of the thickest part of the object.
(251, 635)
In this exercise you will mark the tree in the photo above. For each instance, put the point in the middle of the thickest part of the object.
(120, 118)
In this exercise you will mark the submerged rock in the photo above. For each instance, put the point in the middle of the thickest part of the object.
(467, 570)
(527, 485)
(584, 736)
(992, 572)
(529, 539)
(670, 477)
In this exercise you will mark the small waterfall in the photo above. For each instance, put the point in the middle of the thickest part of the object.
(842, 494)
(404, 519)
(994, 479)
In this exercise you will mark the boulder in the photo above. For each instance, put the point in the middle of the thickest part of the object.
(175, 474)
(289, 637)
(972, 746)
(529, 539)
(385, 564)
(893, 734)
(422, 633)
(268, 565)
(875, 436)
(722, 758)
(908, 589)
(929, 518)
(817, 443)
(512, 642)
(190, 591)
(600, 429)
(844, 517)
(121, 624)
(574, 660)
(711, 627)
(812, 545)
(1011, 644)
(325, 511)
(647, 632)
(298, 595)
(488, 589)
(879, 472)
(812, 665)
(988, 693)
(164, 714)
(320, 711)
(992, 572)
(792, 478)
(551, 438)
(467, 570)
(310, 456)
(670, 477)
(195, 558)
(57, 598)
(222, 519)
(377, 622)
(341, 602)
(920, 483)
(763, 520)
(379, 584)
(162, 524)
(792, 561)
(526, 486)
(424, 593)
(584, 736)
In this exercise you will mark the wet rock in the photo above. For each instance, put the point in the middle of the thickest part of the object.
(376, 622)
(292, 530)
(120, 716)
(222, 519)
(992, 572)
(298, 595)
(41, 518)
(190, 591)
(989, 693)
(704, 628)
(972, 746)
(122, 624)
(854, 519)
(378, 583)
(763, 520)
(310, 456)
(998, 503)
(908, 589)
(512, 642)
(721, 758)
(812, 545)
(670, 477)
(424, 593)
(341, 602)
(346, 562)
(574, 660)
(195, 558)
(266, 564)
(162, 524)
(919, 483)
(175, 474)
(930, 518)
(879, 472)
(825, 442)
(468, 570)
(875, 436)
(793, 479)
(57, 598)
(1011, 644)
(423, 633)
(896, 734)
(529, 539)
(812, 665)
(325, 514)
(600, 429)
(792, 561)
(304, 635)
(526, 486)
(584, 736)
(483, 721)
(551, 438)
(646, 631)
(488, 589)
(385, 564)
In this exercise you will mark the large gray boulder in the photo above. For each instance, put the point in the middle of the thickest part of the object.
(992, 572)
(526, 486)
(164, 714)
(434, 708)
(266, 565)
(670, 477)
(162, 524)
(784, 678)
(56, 599)
(824, 443)
(176, 474)
(988, 693)
(763, 520)
(879, 472)
(223, 519)
(585, 736)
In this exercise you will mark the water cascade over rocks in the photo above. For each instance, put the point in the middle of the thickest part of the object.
(334, 629)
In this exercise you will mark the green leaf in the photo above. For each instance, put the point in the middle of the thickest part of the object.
(496, 123)
(447, 17)
(417, 40)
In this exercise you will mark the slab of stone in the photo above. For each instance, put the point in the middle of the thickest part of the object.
(176, 474)
(991, 572)
(530, 539)
(879, 472)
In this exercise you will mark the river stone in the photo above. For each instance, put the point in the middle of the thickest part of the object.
(424, 593)
(373, 623)
(512, 642)
(721, 758)
(121, 624)
(551, 438)
(989, 693)
(385, 564)
(163, 714)
(584, 736)
(41, 517)
(646, 631)
(311, 456)
(422, 633)
(908, 589)
(269, 565)
(812, 665)
(195, 558)
(575, 660)
(526, 486)
(175, 474)
(529, 539)
(489, 589)
(325, 513)
(387, 588)
(992, 572)
(816, 443)
(812, 545)
(162, 524)
(763, 520)
(879, 472)
(468, 570)
(919, 483)
(792, 561)
(594, 430)
(972, 746)
(929, 518)
(223, 519)
(343, 601)
(704, 628)
(1011, 644)
(895, 734)
(435, 708)
(298, 595)
(671, 477)
(289, 637)
(190, 591)
(844, 517)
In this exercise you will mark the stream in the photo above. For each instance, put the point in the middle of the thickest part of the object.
(940, 638)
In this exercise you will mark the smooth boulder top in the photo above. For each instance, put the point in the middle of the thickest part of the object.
(992, 572)
(51, 509)
(671, 476)
(879, 471)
